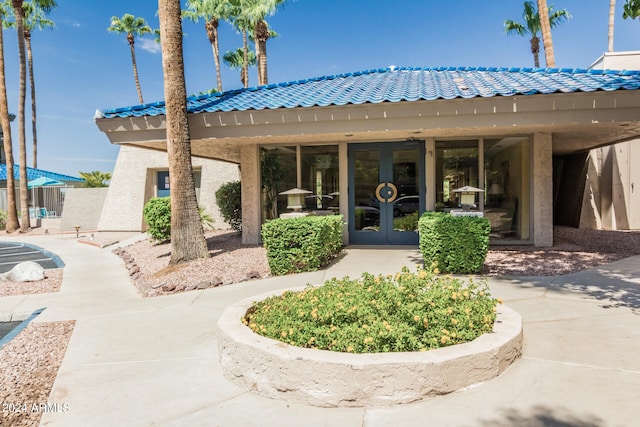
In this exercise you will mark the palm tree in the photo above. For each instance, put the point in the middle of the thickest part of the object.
(12, 223)
(132, 27)
(254, 12)
(235, 60)
(18, 12)
(211, 11)
(631, 9)
(187, 235)
(95, 179)
(612, 12)
(531, 26)
(34, 18)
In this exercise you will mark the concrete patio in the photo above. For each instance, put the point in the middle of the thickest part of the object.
(140, 362)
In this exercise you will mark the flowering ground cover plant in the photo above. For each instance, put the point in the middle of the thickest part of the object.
(406, 312)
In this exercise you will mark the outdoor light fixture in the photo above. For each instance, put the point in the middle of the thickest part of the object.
(467, 196)
(295, 198)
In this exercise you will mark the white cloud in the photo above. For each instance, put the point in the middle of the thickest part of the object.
(149, 45)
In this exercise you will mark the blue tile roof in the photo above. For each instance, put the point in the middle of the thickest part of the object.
(398, 84)
(36, 173)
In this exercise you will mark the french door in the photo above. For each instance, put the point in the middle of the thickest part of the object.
(386, 192)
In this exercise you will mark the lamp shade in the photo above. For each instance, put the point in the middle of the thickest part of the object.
(295, 198)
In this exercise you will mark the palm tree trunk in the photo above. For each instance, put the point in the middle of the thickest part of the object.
(187, 235)
(135, 69)
(545, 27)
(12, 223)
(245, 64)
(32, 84)
(212, 32)
(612, 12)
(258, 52)
(261, 35)
(22, 138)
(535, 50)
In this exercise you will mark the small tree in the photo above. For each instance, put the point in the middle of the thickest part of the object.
(95, 179)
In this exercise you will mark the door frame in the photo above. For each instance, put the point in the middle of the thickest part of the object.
(388, 236)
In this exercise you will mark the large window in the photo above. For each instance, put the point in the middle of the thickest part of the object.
(505, 171)
(311, 168)
(456, 167)
(507, 187)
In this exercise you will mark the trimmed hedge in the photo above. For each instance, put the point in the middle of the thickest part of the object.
(157, 215)
(454, 244)
(301, 244)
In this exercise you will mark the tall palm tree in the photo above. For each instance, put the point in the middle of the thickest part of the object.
(132, 27)
(531, 26)
(211, 11)
(545, 28)
(18, 12)
(34, 18)
(241, 23)
(187, 235)
(631, 9)
(612, 13)
(12, 223)
(235, 60)
(255, 12)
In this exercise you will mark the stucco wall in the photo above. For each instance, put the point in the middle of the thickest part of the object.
(251, 203)
(542, 189)
(82, 207)
(133, 184)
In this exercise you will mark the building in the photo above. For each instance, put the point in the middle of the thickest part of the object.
(381, 145)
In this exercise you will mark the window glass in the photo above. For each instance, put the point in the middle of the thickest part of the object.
(319, 175)
(456, 167)
(278, 174)
(506, 176)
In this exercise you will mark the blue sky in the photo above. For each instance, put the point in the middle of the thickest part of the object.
(80, 67)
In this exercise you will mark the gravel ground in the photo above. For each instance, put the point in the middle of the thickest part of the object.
(28, 367)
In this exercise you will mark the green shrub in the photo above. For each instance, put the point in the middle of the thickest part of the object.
(228, 198)
(3, 219)
(301, 244)
(454, 244)
(157, 215)
(406, 223)
(409, 312)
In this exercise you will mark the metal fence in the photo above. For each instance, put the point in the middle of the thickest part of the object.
(44, 202)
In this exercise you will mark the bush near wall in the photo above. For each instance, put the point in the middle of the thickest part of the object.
(301, 244)
(157, 215)
(454, 244)
(229, 200)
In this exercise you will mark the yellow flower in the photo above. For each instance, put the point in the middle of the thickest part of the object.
(423, 349)
(444, 339)
(301, 313)
(350, 349)
(368, 340)
(436, 271)
(454, 295)
(416, 318)
(283, 334)
(311, 340)
(423, 274)
(466, 294)
(425, 323)
(499, 300)
(454, 321)
(446, 332)
(467, 310)
(373, 302)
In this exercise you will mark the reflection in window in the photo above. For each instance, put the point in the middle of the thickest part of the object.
(320, 176)
(456, 167)
(506, 176)
(278, 174)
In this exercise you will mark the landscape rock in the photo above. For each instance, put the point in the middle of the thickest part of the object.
(169, 287)
(27, 271)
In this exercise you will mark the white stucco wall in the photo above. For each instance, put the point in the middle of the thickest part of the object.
(542, 185)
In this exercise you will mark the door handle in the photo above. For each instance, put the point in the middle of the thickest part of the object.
(391, 192)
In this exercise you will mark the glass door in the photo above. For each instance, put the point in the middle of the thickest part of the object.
(387, 196)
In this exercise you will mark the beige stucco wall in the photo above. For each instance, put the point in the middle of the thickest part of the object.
(542, 185)
(251, 203)
(82, 207)
(134, 182)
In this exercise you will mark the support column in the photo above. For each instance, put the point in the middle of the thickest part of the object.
(344, 190)
(250, 185)
(542, 185)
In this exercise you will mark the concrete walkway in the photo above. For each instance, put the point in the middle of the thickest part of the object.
(142, 362)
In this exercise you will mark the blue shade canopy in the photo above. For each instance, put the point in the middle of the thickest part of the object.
(43, 181)
(397, 84)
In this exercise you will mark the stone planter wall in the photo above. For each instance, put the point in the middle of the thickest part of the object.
(330, 379)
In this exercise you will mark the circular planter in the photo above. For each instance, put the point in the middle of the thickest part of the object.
(330, 379)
